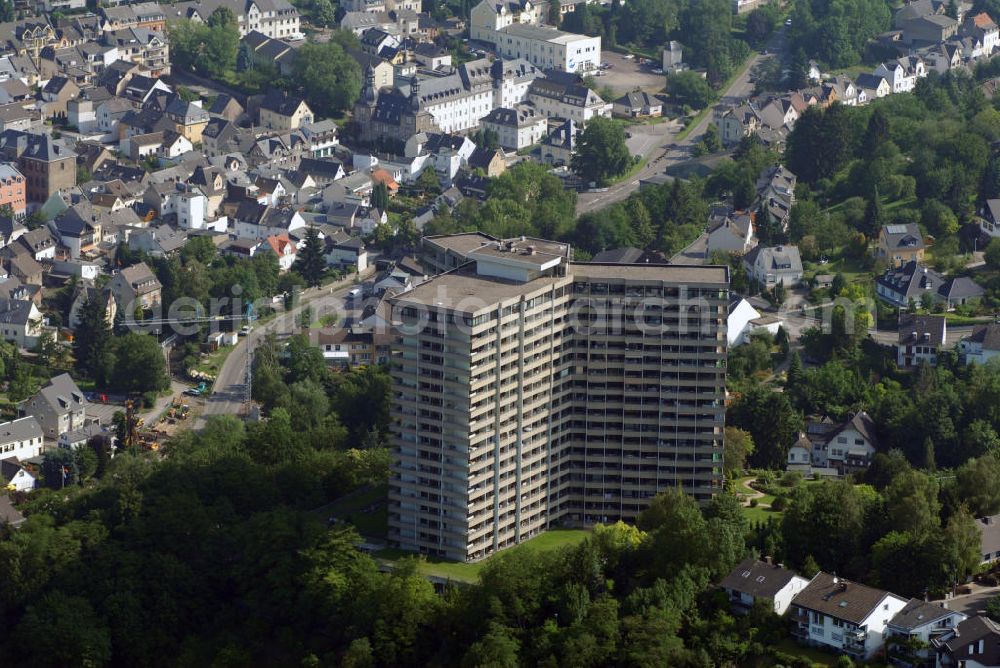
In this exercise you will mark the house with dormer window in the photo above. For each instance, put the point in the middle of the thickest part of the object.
(847, 617)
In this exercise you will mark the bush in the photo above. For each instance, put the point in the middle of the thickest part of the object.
(791, 479)
(779, 504)
(753, 503)
(149, 399)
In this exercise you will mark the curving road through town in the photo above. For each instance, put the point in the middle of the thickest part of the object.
(229, 390)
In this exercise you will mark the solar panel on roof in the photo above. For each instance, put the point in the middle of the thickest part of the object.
(895, 229)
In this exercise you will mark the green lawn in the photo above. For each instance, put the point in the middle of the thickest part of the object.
(759, 514)
(553, 539)
(365, 509)
(851, 268)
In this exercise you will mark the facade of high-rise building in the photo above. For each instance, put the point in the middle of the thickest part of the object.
(531, 390)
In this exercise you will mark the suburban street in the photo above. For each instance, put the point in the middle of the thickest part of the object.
(230, 386)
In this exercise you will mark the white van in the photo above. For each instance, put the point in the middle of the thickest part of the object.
(354, 293)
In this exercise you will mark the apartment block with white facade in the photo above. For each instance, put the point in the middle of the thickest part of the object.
(549, 48)
(532, 390)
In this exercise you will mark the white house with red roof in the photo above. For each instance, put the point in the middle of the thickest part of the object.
(282, 247)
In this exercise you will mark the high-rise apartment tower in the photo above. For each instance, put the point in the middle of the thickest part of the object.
(529, 390)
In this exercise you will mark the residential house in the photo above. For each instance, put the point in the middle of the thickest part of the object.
(24, 268)
(846, 617)
(73, 440)
(637, 104)
(56, 94)
(912, 282)
(560, 145)
(729, 231)
(78, 228)
(257, 221)
(488, 18)
(21, 439)
(273, 18)
(754, 580)
(921, 339)
(873, 85)
(58, 407)
(982, 345)
(989, 221)
(47, 165)
(982, 27)
(516, 128)
(321, 138)
(736, 122)
(136, 287)
(227, 108)
(974, 643)
(352, 346)
(283, 248)
(10, 230)
(834, 448)
(20, 322)
(13, 191)
(280, 111)
(375, 41)
(490, 161)
(15, 477)
(923, 622)
(776, 195)
(38, 243)
(899, 244)
(775, 265)
(902, 74)
(989, 538)
(574, 101)
(110, 112)
(347, 252)
(780, 112)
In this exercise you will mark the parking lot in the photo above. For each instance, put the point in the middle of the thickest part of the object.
(626, 75)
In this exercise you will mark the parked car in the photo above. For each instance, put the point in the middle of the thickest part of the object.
(657, 70)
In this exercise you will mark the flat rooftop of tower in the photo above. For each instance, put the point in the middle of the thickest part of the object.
(465, 291)
(671, 273)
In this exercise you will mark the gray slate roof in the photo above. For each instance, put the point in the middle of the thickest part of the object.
(21, 429)
(758, 578)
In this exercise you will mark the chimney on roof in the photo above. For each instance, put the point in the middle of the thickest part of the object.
(767, 560)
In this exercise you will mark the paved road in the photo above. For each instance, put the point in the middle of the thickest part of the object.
(972, 604)
(659, 157)
(230, 386)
